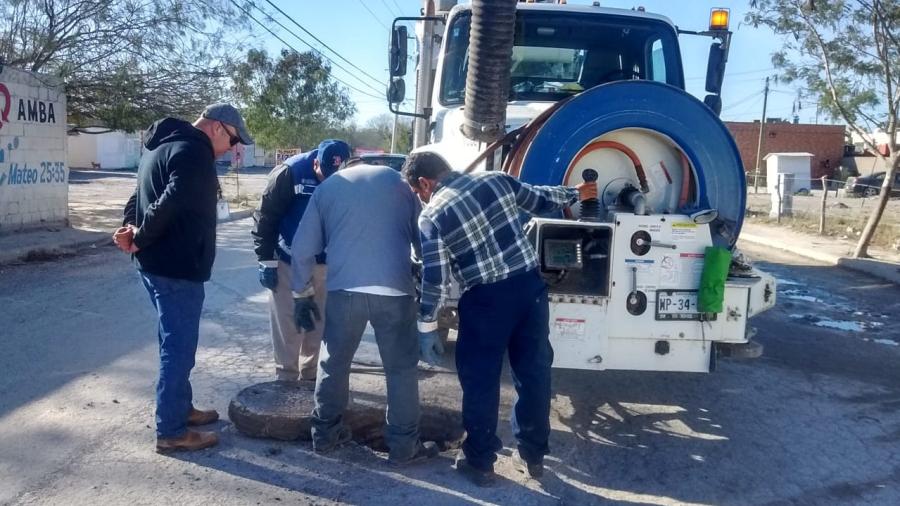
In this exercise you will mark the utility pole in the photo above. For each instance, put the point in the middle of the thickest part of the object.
(762, 127)
(424, 76)
(394, 136)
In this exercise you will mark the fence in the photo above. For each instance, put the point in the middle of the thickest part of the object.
(242, 187)
(838, 210)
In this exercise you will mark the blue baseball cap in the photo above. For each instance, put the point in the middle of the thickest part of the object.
(333, 153)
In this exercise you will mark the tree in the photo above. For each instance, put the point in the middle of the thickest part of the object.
(377, 134)
(848, 53)
(381, 129)
(125, 63)
(291, 101)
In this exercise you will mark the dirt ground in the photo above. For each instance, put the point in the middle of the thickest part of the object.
(844, 216)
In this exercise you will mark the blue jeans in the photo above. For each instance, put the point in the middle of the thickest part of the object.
(511, 316)
(394, 322)
(178, 303)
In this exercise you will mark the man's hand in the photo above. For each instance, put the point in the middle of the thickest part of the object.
(431, 349)
(305, 310)
(268, 274)
(124, 239)
(587, 191)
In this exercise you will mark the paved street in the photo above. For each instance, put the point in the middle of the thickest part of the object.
(815, 421)
(96, 197)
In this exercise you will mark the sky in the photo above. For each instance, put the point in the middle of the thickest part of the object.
(359, 31)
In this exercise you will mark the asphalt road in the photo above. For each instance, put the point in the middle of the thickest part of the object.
(814, 421)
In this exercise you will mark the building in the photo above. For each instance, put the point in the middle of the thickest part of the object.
(34, 175)
(107, 150)
(824, 142)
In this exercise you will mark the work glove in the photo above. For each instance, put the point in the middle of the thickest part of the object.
(306, 311)
(431, 349)
(268, 274)
(417, 278)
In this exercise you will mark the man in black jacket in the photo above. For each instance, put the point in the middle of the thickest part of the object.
(170, 230)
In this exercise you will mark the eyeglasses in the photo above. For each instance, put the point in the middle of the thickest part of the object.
(232, 139)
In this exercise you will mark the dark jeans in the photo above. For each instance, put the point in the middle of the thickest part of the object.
(394, 322)
(512, 316)
(178, 303)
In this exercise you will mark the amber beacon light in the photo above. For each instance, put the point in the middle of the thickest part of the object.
(718, 19)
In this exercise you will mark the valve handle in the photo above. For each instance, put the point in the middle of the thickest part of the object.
(590, 208)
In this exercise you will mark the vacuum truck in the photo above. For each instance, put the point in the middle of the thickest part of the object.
(557, 94)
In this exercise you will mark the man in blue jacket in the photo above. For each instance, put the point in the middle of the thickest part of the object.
(171, 223)
(287, 194)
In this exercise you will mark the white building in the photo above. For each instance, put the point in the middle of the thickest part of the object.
(110, 150)
(798, 164)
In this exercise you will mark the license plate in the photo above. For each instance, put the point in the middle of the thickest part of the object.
(677, 305)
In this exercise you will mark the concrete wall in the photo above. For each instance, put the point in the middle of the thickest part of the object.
(34, 176)
(111, 150)
(825, 142)
(119, 150)
(82, 150)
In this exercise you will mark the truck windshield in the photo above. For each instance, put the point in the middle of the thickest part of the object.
(556, 54)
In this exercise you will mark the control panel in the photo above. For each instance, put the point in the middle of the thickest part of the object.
(574, 255)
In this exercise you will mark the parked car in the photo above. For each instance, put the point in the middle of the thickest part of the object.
(392, 160)
(869, 186)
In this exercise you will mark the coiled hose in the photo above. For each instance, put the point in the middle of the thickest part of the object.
(488, 76)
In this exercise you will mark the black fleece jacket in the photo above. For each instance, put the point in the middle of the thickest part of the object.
(174, 204)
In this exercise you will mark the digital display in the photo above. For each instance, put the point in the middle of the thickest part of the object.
(562, 254)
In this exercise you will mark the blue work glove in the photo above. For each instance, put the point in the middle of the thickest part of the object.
(306, 311)
(268, 274)
(431, 349)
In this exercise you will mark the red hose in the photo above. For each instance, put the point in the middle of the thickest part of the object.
(618, 146)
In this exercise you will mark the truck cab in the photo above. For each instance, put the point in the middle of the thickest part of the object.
(559, 50)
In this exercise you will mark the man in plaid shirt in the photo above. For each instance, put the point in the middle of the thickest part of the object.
(470, 229)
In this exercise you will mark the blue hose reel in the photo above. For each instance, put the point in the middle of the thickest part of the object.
(708, 145)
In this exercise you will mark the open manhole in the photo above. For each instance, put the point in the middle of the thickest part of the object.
(282, 410)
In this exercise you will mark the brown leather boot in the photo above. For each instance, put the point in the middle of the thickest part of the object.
(190, 441)
(198, 417)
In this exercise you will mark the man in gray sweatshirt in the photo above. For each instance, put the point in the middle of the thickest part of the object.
(365, 218)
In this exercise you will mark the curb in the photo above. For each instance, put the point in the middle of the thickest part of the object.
(91, 240)
(887, 271)
(238, 215)
(24, 253)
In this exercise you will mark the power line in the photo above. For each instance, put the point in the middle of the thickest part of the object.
(336, 64)
(742, 100)
(399, 9)
(266, 28)
(366, 7)
(292, 20)
(388, 7)
(730, 74)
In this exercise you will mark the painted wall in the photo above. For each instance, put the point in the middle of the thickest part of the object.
(34, 176)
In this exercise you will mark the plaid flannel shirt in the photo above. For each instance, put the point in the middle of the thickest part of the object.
(471, 229)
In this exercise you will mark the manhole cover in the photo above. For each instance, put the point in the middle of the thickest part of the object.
(282, 410)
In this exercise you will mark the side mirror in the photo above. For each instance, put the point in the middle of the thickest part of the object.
(396, 91)
(715, 68)
(398, 53)
(714, 102)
